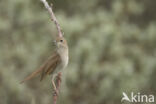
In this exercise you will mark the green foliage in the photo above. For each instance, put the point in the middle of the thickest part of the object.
(112, 49)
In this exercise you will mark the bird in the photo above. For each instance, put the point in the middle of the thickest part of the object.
(56, 63)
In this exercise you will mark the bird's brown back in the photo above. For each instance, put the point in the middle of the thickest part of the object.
(47, 68)
(51, 65)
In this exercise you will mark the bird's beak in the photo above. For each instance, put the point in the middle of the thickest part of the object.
(54, 42)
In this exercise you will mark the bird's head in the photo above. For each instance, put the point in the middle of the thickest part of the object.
(61, 43)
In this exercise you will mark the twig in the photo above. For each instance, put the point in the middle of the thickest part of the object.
(58, 83)
(53, 18)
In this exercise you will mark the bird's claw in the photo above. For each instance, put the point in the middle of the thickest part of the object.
(55, 93)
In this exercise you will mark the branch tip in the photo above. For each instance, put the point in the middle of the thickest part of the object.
(52, 15)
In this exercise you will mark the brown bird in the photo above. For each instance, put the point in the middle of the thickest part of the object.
(55, 63)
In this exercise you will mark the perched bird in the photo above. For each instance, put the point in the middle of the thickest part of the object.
(55, 63)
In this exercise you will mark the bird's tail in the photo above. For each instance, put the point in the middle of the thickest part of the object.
(32, 75)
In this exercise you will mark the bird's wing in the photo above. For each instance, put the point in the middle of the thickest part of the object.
(41, 69)
(51, 65)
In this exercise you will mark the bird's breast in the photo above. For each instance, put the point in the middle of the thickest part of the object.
(64, 61)
(63, 52)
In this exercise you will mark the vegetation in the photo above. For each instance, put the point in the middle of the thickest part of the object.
(112, 50)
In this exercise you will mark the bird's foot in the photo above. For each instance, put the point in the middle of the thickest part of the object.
(56, 92)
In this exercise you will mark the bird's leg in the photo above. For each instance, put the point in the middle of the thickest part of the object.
(58, 80)
(53, 83)
(54, 86)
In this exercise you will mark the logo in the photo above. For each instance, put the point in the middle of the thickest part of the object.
(137, 98)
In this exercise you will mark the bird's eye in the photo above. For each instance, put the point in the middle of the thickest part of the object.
(61, 40)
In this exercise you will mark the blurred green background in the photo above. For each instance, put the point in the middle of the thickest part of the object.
(112, 50)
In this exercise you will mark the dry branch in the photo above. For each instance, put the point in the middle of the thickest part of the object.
(58, 83)
(53, 18)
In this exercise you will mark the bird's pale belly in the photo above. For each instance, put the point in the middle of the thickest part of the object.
(61, 66)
